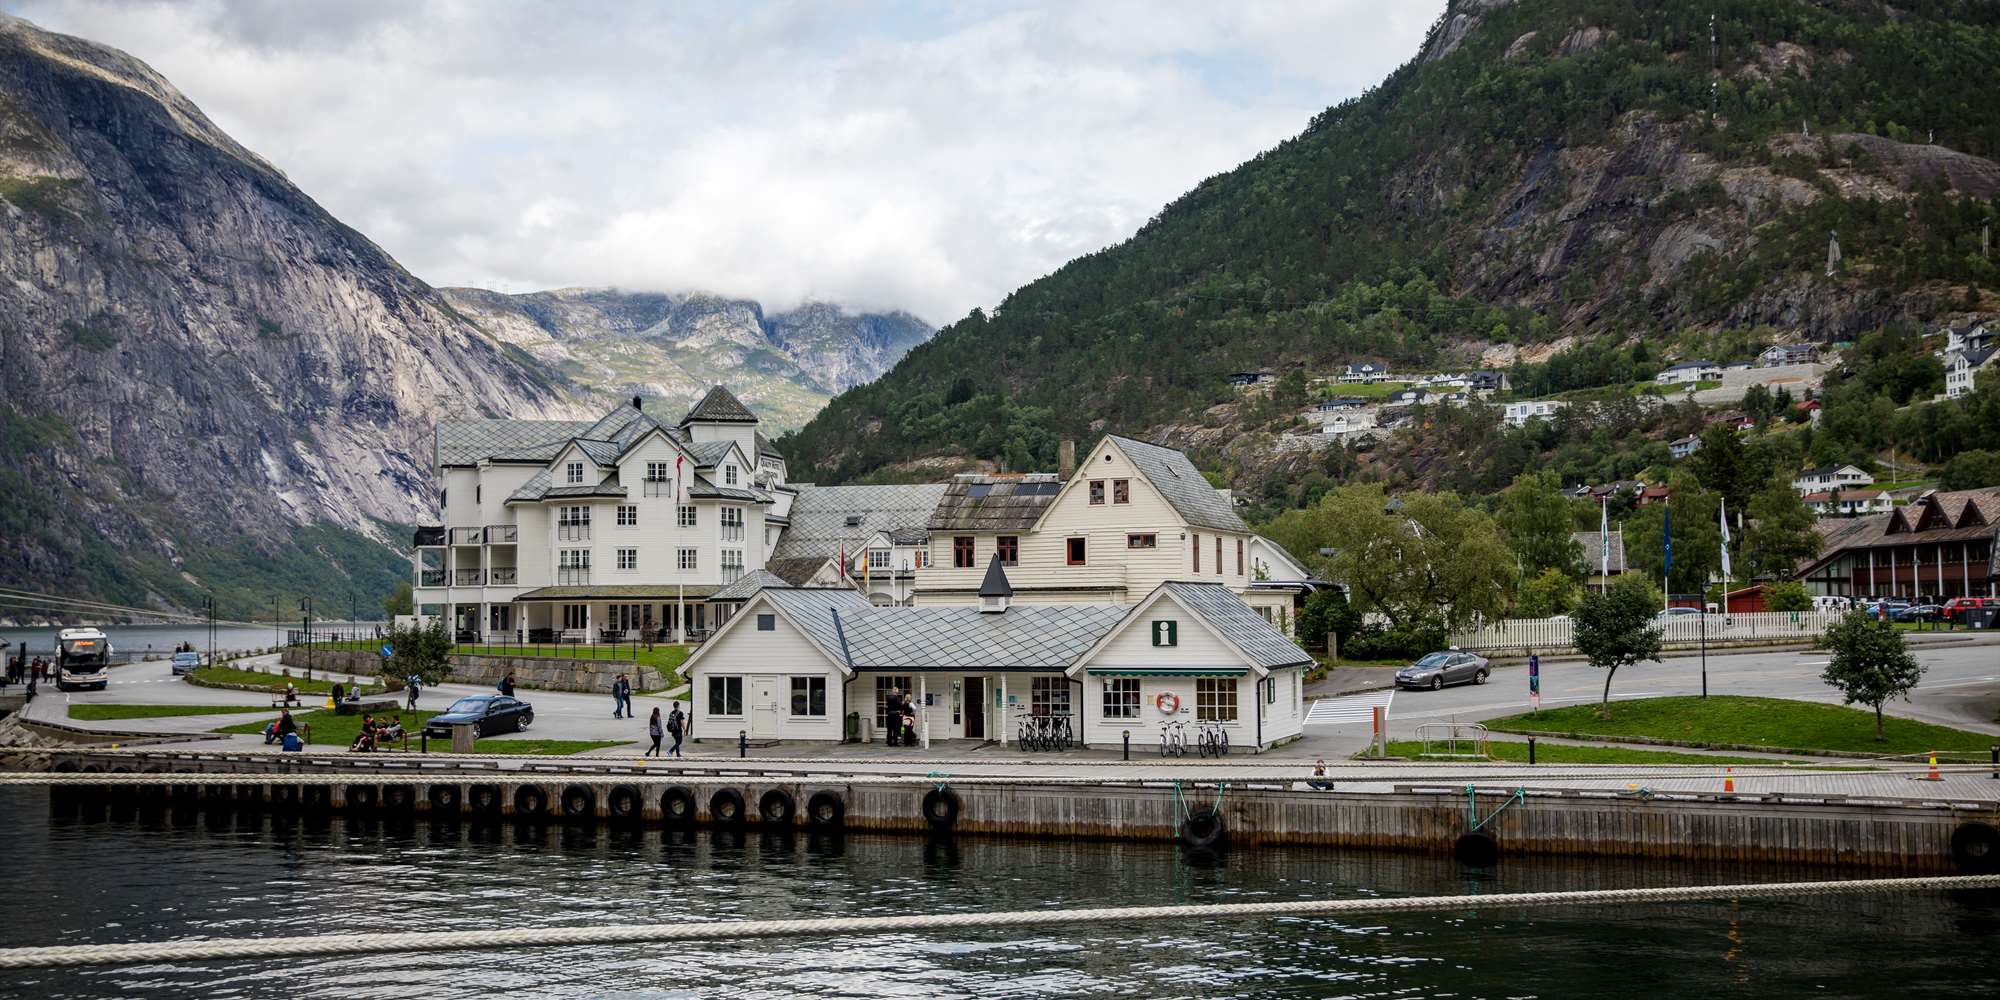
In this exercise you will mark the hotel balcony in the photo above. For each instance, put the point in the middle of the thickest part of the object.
(468, 577)
(503, 576)
(431, 578)
(465, 536)
(579, 532)
(502, 534)
(429, 536)
(572, 576)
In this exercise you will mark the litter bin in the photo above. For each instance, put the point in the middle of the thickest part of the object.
(853, 727)
(1982, 617)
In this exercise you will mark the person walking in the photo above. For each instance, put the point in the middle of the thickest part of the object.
(676, 727)
(415, 685)
(656, 730)
(892, 716)
(507, 684)
(619, 697)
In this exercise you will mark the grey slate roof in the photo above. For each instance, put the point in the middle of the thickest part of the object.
(533, 489)
(701, 487)
(765, 447)
(993, 503)
(1186, 490)
(707, 453)
(1025, 637)
(599, 452)
(820, 514)
(1594, 543)
(465, 442)
(1239, 624)
(719, 406)
(747, 586)
(795, 571)
(812, 610)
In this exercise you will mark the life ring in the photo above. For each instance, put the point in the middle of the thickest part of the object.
(1167, 702)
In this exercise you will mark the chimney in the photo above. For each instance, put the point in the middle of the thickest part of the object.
(638, 404)
(1066, 459)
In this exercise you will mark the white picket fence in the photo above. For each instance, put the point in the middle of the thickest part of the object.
(1557, 635)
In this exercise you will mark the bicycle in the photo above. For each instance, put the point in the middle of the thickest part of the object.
(1214, 739)
(1173, 739)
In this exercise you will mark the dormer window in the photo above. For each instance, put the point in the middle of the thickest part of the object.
(573, 473)
(729, 475)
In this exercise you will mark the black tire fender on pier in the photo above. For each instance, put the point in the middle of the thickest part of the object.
(362, 798)
(485, 800)
(677, 805)
(826, 810)
(249, 796)
(1203, 829)
(400, 798)
(285, 797)
(776, 808)
(1975, 848)
(725, 807)
(579, 802)
(316, 797)
(443, 800)
(625, 803)
(941, 808)
(530, 801)
(1476, 849)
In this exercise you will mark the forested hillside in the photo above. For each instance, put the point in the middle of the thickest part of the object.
(1587, 175)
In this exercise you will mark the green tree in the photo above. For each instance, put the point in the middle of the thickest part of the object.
(1326, 621)
(1870, 663)
(1616, 628)
(423, 649)
(1970, 470)
(1423, 560)
(402, 602)
(1548, 593)
(1757, 403)
(1697, 541)
(1724, 467)
(1780, 534)
(1787, 595)
(1536, 517)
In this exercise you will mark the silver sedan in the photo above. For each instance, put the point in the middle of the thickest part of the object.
(1438, 669)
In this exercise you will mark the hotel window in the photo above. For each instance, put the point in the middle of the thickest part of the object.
(478, 491)
(1218, 555)
(1076, 551)
(1009, 548)
(628, 516)
(1197, 553)
(1096, 491)
(961, 552)
(884, 685)
(809, 697)
(656, 472)
(1270, 690)
(1049, 696)
(1121, 491)
(573, 515)
(1215, 699)
(687, 560)
(573, 473)
(687, 517)
(1239, 557)
(576, 616)
(732, 524)
(725, 696)
(573, 559)
(924, 555)
(878, 558)
(1121, 698)
(729, 475)
(1142, 541)
(628, 558)
(732, 565)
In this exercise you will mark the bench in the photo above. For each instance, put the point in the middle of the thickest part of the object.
(368, 705)
(282, 697)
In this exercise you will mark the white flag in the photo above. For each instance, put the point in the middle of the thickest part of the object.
(1604, 541)
(1723, 514)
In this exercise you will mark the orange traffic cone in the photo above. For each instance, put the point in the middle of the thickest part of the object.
(1728, 780)
(1933, 775)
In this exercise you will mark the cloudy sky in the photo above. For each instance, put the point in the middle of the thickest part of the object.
(927, 156)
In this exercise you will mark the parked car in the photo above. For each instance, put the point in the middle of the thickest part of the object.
(489, 714)
(185, 663)
(1438, 669)
(1886, 608)
(1955, 609)
(1833, 603)
(1918, 613)
(1670, 614)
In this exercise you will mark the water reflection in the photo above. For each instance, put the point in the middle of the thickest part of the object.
(88, 874)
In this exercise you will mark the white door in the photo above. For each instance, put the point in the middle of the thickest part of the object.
(764, 707)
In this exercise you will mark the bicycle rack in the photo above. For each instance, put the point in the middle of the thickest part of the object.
(1460, 740)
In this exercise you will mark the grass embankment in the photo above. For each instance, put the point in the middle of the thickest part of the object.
(329, 729)
(667, 659)
(108, 713)
(1725, 721)
(263, 681)
(1364, 390)
(1555, 753)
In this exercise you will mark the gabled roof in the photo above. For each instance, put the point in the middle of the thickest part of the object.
(465, 442)
(1183, 486)
(796, 571)
(707, 454)
(720, 406)
(1967, 515)
(600, 453)
(820, 517)
(747, 586)
(961, 637)
(812, 611)
(1593, 545)
(993, 503)
(765, 447)
(700, 487)
(1238, 624)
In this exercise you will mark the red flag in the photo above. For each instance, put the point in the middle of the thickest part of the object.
(843, 560)
(677, 476)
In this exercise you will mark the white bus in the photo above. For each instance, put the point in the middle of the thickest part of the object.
(83, 656)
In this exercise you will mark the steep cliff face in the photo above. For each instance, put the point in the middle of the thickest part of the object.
(196, 361)
(784, 365)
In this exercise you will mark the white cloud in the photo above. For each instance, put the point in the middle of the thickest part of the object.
(882, 156)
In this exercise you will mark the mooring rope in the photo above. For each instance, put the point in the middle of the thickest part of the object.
(418, 941)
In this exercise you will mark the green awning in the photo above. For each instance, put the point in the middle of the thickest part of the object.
(1166, 671)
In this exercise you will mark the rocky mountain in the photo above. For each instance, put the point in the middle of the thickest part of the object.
(1544, 178)
(674, 346)
(207, 383)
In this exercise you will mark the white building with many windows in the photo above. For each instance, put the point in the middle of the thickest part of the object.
(597, 530)
(1518, 414)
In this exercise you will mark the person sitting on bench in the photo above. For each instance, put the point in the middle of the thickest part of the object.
(280, 728)
(364, 741)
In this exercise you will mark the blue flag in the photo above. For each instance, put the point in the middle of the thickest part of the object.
(1667, 519)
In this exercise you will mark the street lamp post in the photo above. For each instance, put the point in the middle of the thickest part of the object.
(306, 605)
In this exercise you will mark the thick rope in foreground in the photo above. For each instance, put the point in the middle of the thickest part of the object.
(356, 944)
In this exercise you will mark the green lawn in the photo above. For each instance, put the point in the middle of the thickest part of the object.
(106, 713)
(329, 729)
(1759, 722)
(667, 659)
(233, 675)
(1548, 753)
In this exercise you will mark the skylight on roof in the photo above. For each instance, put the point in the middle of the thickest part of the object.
(979, 489)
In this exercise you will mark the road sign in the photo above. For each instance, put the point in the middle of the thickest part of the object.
(388, 651)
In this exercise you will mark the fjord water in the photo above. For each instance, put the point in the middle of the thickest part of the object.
(122, 877)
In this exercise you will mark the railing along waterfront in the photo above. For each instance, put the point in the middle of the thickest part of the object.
(1559, 634)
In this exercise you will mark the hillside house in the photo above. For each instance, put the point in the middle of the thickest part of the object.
(1962, 369)
(1518, 414)
(1831, 477)
(1366, 373)
(1689, 372)
(1780, 355)
(1849, 503)
(1683, 447)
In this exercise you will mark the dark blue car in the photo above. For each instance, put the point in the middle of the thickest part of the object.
(490, 714)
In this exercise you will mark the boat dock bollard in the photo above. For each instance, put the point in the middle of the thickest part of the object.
(1531, 751)
(742, 743)
(1996, 763)
(1128, 749)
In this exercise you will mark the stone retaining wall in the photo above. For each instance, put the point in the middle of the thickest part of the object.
(544, 672)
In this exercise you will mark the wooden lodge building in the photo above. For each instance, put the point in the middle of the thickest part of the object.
(1939, 547)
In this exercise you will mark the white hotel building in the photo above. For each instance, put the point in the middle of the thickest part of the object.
(596, 530)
